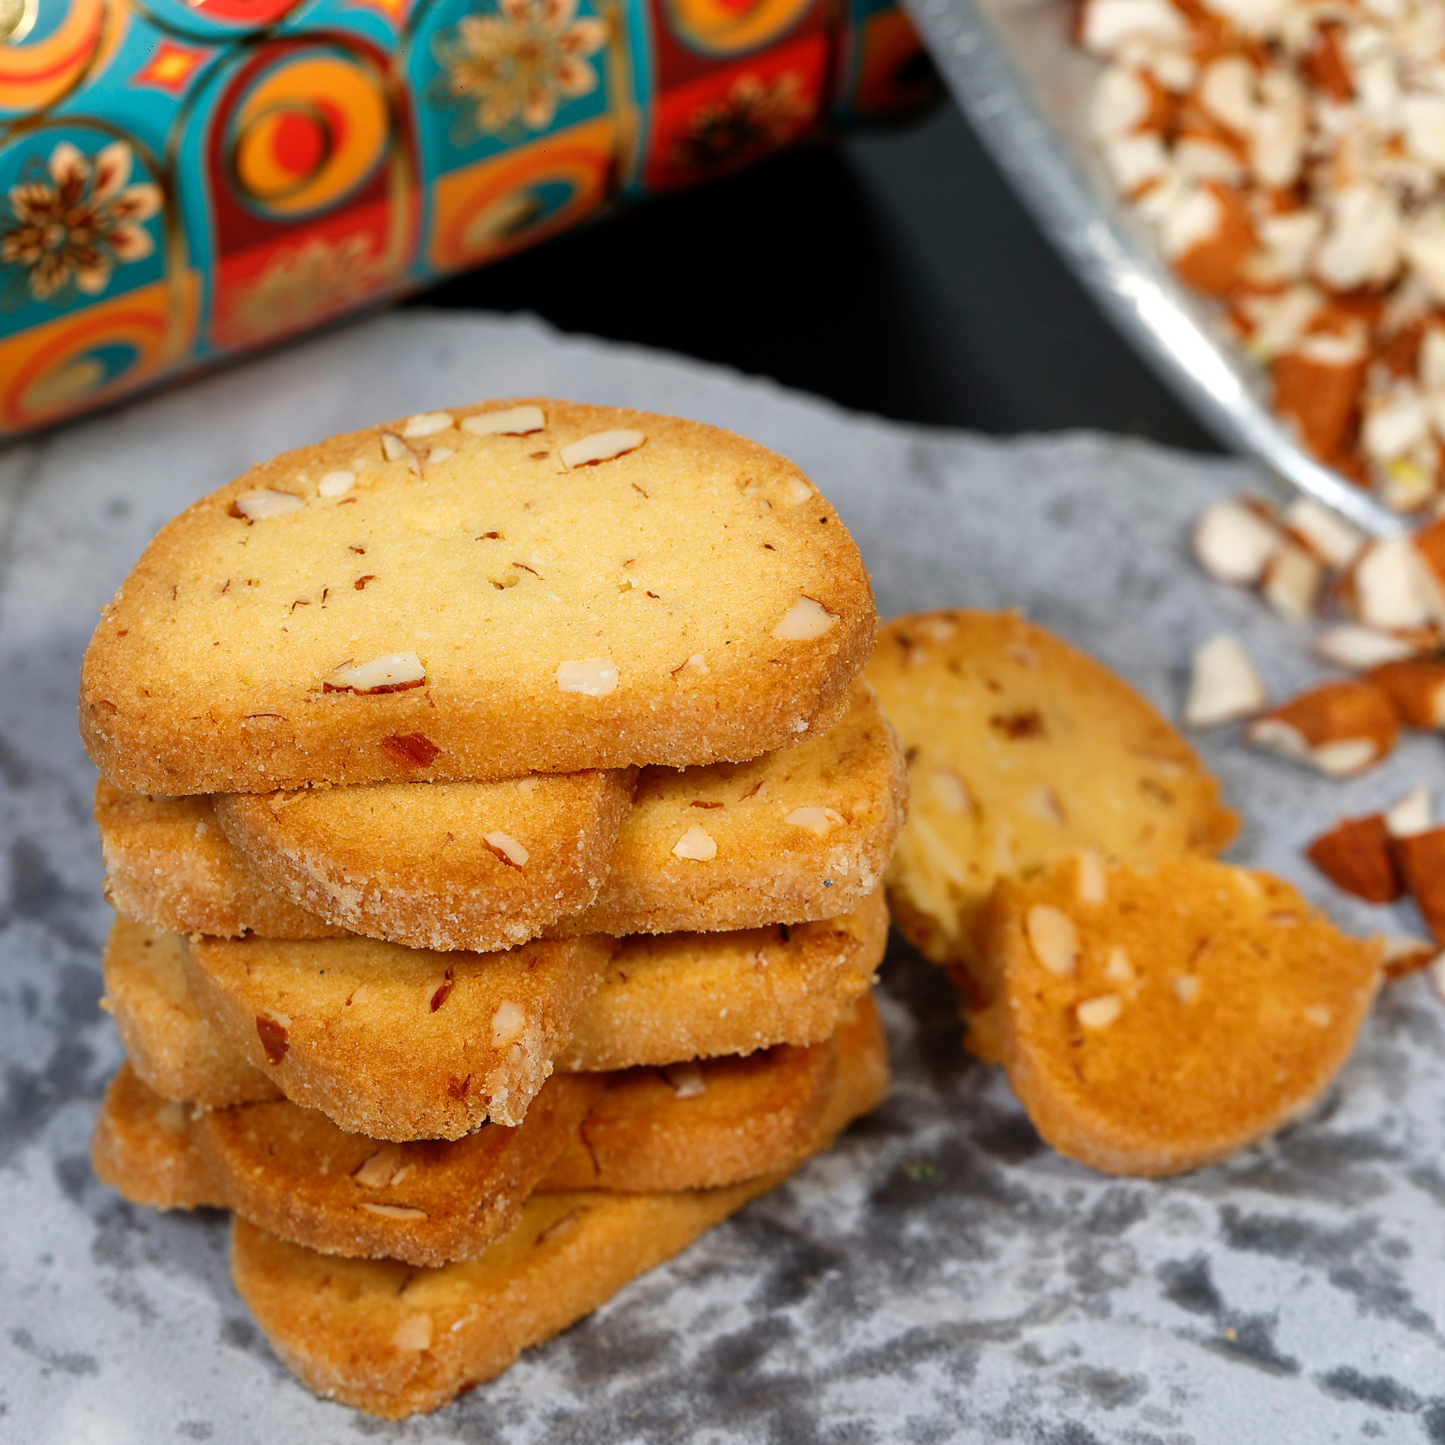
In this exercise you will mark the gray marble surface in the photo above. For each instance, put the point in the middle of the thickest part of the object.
(940, 1275)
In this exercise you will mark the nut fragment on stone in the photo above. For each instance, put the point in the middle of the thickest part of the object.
(1355, 856)
(1421, 857)
(1340, 728)
(262, 505)
(1099, 1013)
(392, 672)
(697, 843)
(1232, 542)
(1411, 814)
(507, 848)
(513, 421)
(508, 1022)
(815, 820)
(1291, 582)
(428, 423)
(686, 1079)
(1224, 686)
(804, 621)
(1361, 648)
(1417, 687)
(1053, 938)
(336, 484)
(603, 446)
(1332, 539)
(1405, 953)
(1389, 586)
(591, 676)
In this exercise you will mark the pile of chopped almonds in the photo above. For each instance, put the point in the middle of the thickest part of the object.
(1289, 156)
(1388, 630)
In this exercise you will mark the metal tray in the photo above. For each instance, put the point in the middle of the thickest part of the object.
(1013, 67)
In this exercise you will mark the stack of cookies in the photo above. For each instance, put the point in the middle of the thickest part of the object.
(496, 820)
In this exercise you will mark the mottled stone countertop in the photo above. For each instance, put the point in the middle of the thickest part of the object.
(940, 1274)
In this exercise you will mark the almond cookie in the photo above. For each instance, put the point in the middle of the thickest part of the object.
(795, 835)
(676, 997)
(291, 1171)
(1022, 750)
(431, 599)
(168, 863)
(1154, 1020)
(695, 995)
(435, 865)
(397, 1043)
(386, 1338)
(169, 1041)
(294, 1172)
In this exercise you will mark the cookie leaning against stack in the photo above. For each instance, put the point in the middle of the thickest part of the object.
(1155, 1010)
(389, 732)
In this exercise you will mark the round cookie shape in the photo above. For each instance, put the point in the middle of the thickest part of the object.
(428, 600)
(435, 865)
(1021, 750)
(1155, 1020)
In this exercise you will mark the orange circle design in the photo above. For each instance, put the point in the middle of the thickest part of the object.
(733, 27)
(310, 132)
(65, 376)
(36, 73)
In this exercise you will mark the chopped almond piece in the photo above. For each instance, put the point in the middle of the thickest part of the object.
(1389, 587)
(1421, 858)
(1225, 685)
(1411, 814)
(1341, 728)
(1404, 954)
(1292, 582)
(1215, 261)
(1320, 395)
(1355, 855)
(1429, 544)
(1233, 543)
(1417, 688)
(1353, 646)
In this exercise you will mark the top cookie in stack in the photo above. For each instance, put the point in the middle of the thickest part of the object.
(517, 587)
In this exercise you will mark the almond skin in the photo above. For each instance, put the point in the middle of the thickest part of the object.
(1417, 688)
(1421, 858)
(1355, 855)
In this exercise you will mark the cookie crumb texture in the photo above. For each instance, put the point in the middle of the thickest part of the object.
(488, 614)
(1202, 1007)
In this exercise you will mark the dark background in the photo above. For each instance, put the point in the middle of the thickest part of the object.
(893, 272)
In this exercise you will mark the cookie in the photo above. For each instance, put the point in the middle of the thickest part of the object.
(696, 995)
(1022, 750)
(435, 865)
(293, 1172)
(397, 1043)
(170, 1043)
(168, 863)
(1154, 1020)
(681, 996)
(796, 835)
(800, 834)
(425, 600)
(389, 1339)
